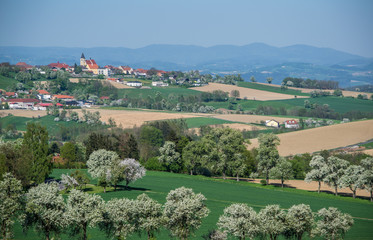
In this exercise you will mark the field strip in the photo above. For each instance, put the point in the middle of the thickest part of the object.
(249, 93)
(243, 118)
(322, 138)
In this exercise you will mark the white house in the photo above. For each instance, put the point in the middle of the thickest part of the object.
(159, 84)
(134, 84)
(21, 103)
(44, 95)
(103, 71)
(272, 123)
(291, 124)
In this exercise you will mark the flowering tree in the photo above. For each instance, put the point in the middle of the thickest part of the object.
(335, 170)
(10, 199)
(240, 221)
(169, 157)
(150, 214)
(299, 220)
(318, 172)
(333, 224)
(184, 211)
(132, 170)
(45, 209)
(282, 170)
(272, 221)
(352, 178)
(367, 163)
(83, 210)
(68, 181)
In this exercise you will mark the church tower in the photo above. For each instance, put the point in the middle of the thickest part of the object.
(82, 61)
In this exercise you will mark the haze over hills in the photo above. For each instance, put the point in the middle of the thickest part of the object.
(256, 59)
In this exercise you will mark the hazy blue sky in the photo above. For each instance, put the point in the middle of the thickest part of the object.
(341, 24)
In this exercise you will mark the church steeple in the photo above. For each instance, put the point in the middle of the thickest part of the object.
(82, 56)
(82, 61)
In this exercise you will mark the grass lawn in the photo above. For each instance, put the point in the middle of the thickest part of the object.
(202, 121)
(272, 89)
(165, 91)
(222, 193)
(5, 82)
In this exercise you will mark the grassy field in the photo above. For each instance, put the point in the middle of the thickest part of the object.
(220, 194)
(202, 121)
(5, 82)
(271, 89)
(165, 91)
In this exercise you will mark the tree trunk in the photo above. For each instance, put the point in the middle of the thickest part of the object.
(336, 190)
(371, 196)
(318, 190)
(85, 232)
(267, 178)
(282, 182)
(104, 189)
(127, 182)
(148, 235)
(191, 172)
(354, 193)
(224, 176)
(238, 177)
(46, 236)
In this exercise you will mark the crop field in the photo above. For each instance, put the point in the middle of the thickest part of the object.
(251, 94)
(323, 138)
(165, 91)
(129, 119)
(203, 121)
(22, 113)
(272, 88)
(308, 90)
(222, 193)
(248, 118)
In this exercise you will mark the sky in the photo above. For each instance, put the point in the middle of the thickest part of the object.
(344, 25)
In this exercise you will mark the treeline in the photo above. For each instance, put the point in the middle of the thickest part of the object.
(44, 208)
(308, 83)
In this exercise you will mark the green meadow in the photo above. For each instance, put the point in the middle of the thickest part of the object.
(165, 92)
(202, 121)
(222, 193)
(271, 89)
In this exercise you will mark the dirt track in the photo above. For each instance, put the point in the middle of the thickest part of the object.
(248, 118)
(323, 138)
(250, 94)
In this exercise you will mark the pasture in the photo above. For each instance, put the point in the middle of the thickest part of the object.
(165, 92)
(222, 193)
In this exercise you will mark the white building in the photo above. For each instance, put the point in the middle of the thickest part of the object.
(159, 84)
(103, 71)
(134, 84)
(291, 124)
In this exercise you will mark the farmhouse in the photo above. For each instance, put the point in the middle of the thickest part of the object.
(21, 103)
(141, 72)
(272, 123)
(63, 97)
(58, 65)
(159, 84)
(134, 84)
(126, 69)
(10, 94)
(44, 95)
(24, 65)
(291, 124)
(103, 71)
(44, 106)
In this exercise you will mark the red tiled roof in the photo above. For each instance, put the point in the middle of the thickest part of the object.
(43, 92)
(91, 64)
(9, 94)
(290, 122)
(140, 70)
(23, 64)
(126, 68)
(63, 96)
(24, 100)
(49, 104)
(58, 65)
(104, 97)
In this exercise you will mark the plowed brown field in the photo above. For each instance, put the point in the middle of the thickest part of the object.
(23, 113)
(250, 94)
(323, 138)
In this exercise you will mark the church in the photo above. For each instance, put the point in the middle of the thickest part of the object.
(90, 64)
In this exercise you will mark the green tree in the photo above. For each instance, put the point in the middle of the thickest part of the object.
(240, 221)
(269, 80)
(11, 203)
(333, 224)
(318, 172)
(353, 178)
(238, 165)
(83, 210)
(68, 152)
(151, 135)
(35, 141)
(170, 158)
(252, 79)
(367, 163)
(80, 177)
(235, 93)
(184, 211)
(299, 220)
(267, 153)
(45, 209)
(282, 171)
(196, 154)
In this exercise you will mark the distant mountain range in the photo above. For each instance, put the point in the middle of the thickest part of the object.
(256, 59)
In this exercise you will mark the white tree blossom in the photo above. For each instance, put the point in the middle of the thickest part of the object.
(336, 169)
(318, 172)
(45, 209)
(83, 210)
(240, 221)
(122, 218)
(169, 156)
(299, 220)
(150, 214)
(184, 211)
(333, 224)
(100, 161)
(132, 170)
(353, 178)
(10, 203)
(367, 163)
(272, 221)
(68, 181)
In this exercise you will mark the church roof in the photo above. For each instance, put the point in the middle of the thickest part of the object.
(82, 56)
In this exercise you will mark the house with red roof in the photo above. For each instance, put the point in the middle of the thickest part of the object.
(44, 95)
(126, 69)
(58, 65)
(10, 94)
(291, 124)
(90, 64)
(63, 97)
(21, 103)
(141, 72)
(44, 106)
(24, 65)
(104, 98)
(160, 73)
